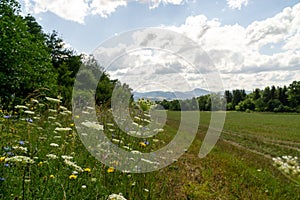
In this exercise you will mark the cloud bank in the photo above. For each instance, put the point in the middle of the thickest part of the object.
(237, 4)
(260, 54)
(77, 10)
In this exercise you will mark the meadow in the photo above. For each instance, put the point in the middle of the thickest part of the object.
(42, 157)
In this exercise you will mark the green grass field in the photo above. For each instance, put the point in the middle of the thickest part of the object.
(45, 159)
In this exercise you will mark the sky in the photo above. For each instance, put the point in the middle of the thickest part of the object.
(251, 43)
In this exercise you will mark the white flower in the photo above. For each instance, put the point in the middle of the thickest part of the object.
(67, 157)
(109, 124)
(20, 148)
(58, 124)
(20, 159)
(116, 197)
(67, 112)
(21, 106)
(137, 125)
(146, 120)
(126, 147)
(52, 156)
(93, 125)
(63, 108)
(83, 186)
(53, 100)
(52, 110)
(116, 140)
(54, 145)
(136, 152)
(34, 100)
(159, 130)
(63, 129)
(63, 113)
(137, 118)
(147, 161)
(29, 112)
(72, 164)
(50, 117)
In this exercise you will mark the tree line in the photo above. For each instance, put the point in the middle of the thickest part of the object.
(269, 99)
(33, 62)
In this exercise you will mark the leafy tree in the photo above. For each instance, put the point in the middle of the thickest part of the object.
(256, 94)
(25, 64)
(283, 95)
(247, 104)
(294, 95)
(238, 96)
(66, 64)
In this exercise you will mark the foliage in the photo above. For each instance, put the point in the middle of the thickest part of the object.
(270, 99)
(25, 64)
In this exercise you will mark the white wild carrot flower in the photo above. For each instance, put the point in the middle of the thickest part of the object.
(52, 156)
(22, 159)
(62, 129)
(29, 112)
(21, 107)
(54, 145)
(93, 125)
(53, 100)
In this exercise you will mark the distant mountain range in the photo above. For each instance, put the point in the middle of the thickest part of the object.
(161, 95)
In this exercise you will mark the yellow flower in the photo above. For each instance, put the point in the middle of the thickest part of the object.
(51, 176)
(142, 144)
(110, 170)
(77, 116)
(40, 164)
(87, 169)
(2, 159)
(72, 176)
(72, 125)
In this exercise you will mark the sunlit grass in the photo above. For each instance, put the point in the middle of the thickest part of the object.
(42, 157)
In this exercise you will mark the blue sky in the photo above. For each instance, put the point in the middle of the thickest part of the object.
(253, 43)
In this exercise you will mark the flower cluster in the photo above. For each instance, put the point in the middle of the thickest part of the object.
(289, 165)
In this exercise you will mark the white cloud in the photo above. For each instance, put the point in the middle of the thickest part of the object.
(236, 50)
(237, 4)
(104, 7)
(74, 10)
(77, 10)
(156, 3)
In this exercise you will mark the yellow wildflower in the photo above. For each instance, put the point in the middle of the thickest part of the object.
(77, 116)
(51, 176)
(87, 169)
(142, 144)
(72, 176)
(72, 125)
(2, 159)
(40, 164)
(110, 170)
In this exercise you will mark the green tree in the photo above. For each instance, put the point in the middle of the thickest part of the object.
(25, 64)
(66, 64)
(256, 94)
(294, 95)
